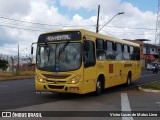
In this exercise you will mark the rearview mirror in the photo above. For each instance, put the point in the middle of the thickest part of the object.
(32, 50)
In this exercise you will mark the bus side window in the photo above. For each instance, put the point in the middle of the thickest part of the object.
(100, 49)
(89, 53)
(131, 53)
(126, 52)
(119, 55)
(110, 54)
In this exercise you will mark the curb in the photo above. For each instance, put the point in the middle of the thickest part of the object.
(139, 88)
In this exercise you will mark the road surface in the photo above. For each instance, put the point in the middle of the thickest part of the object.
(21, 95)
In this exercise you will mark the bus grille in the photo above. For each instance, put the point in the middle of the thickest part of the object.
(56, 81)
(55, 87)
(56, 76)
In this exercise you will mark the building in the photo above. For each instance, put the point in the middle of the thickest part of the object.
(151, 53)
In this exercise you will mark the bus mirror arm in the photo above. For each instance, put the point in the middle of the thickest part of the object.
(86, 46)
(32, 48)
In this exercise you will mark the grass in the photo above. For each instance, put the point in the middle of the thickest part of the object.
(153, 86)
(6, 74)
(16, 75)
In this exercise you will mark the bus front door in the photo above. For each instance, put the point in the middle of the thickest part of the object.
(89, 66)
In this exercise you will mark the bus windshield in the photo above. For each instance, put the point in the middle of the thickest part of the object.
(59, 57)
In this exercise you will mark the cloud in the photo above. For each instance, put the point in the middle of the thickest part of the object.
(48, 13)
(27, 29)
(21, 7)
(133, 17)
(107, 6)
(6, 38)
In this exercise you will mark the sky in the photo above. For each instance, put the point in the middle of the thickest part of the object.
(22, 21)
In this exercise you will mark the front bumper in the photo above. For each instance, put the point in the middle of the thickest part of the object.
(62, 88)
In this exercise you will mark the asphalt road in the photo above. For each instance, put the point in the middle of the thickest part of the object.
(21, 95)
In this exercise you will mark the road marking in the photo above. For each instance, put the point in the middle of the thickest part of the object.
(158, 103)
(125, 106)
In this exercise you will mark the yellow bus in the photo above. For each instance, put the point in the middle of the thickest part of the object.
(81, 61)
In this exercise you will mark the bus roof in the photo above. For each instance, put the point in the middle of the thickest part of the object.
(105, 37)
(96, 35)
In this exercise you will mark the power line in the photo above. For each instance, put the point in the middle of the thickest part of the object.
(45, 24)
(69, 25)
(20, 28)
(26, 21)
(109, 34)
(128, 32)
(40, 23)
(133, 28)
(44, 31)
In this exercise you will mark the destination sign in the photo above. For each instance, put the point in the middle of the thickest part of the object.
(60, 36)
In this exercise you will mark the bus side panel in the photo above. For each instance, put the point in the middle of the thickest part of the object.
(109, 72)
(119, 72)
(137, 70)
(89, 79)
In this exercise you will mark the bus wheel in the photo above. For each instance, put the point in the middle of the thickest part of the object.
(98, 87)
(128, 79)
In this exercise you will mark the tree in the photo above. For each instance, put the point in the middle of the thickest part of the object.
(3, 64)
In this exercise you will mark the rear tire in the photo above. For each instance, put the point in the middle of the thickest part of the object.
(128, 80)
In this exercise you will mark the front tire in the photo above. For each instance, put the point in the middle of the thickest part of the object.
(98, 87)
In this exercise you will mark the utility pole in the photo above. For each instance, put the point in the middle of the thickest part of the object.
(12, 64)
(157, 33)
(18, 59)
(97, 26)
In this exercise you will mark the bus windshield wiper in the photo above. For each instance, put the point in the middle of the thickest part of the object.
(47, 48)
(63, 48)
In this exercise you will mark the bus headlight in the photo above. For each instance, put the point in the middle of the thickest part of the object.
(74, 80)
(42, 80)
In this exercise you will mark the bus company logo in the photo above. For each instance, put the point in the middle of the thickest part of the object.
(127, 65)
(6, 114)
(55, 82)
(57, 68)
